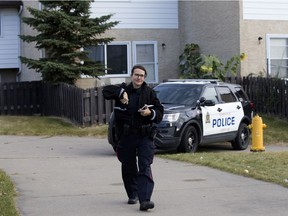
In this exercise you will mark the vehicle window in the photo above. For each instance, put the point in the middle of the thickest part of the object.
(178, 94)
(226, 94)
(211, 94)
(240, 94)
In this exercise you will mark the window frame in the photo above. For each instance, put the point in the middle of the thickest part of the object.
(229, 94)
(270, 37)
(128, 46)
(155, 63)
(206, 92)
(132, 58)
(241, 94)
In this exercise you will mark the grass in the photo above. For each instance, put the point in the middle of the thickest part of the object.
(7, 196)
(266, 166)
(269, 167)
(46, 126)
(276, 131)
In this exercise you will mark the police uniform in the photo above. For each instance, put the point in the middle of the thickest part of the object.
(134, 133)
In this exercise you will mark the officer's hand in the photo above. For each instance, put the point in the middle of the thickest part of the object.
(125, 99)
(145, 112)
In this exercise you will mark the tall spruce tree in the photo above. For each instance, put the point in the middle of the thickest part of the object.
(64, 28)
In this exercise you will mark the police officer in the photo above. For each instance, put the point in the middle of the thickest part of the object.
(136, 108)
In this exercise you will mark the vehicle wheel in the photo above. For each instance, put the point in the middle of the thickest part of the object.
(189, 141)
(242, 141)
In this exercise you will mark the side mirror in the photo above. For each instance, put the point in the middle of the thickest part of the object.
(209, 103)
(203, 102)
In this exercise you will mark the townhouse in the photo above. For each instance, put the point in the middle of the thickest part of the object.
(154, 33)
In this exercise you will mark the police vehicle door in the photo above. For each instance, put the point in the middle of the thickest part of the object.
(225, 116)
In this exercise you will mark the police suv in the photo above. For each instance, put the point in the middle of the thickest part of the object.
(198, 112)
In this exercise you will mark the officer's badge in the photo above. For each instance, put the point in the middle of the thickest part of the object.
(207, 118)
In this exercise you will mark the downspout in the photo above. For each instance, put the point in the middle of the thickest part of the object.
(20, 10)
(20, 65)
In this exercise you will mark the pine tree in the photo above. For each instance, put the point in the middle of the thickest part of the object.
(65, 28)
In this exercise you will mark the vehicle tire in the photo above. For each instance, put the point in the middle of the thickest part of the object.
(189, 141)
(242, 140)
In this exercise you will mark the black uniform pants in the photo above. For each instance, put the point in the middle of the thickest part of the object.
(138, 180)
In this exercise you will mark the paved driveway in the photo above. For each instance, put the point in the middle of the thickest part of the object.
(69, 176)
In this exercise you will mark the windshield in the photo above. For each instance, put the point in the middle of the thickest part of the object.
(182, 94)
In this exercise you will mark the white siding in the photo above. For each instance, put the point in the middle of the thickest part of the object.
(9, 40)
(265, 9)
(139, 14)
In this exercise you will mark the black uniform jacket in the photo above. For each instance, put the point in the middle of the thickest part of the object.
(123, 112)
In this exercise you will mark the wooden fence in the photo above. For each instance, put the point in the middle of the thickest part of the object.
(269, 95)
(83, 107)
(21, 98)
(88, 107)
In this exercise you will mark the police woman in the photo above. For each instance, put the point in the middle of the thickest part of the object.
(136, 108)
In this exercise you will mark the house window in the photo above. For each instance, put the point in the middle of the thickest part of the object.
(115, 56)
(0, 24)
(145, 53)
(277, 55)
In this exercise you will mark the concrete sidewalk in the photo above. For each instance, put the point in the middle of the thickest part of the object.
(70, 176)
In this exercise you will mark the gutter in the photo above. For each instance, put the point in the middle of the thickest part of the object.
(12, 4)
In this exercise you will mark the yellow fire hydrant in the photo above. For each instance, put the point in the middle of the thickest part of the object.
(257, 133)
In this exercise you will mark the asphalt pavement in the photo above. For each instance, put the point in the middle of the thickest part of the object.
(71, 176)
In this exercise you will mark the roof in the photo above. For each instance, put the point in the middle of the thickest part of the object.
(10, 4)
(199, 82)
(194, 81)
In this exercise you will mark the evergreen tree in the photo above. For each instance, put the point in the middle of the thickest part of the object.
(65, 28)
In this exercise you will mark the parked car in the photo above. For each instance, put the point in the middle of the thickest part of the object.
(198, 112)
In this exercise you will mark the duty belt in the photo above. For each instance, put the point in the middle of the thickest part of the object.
(143, 130)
